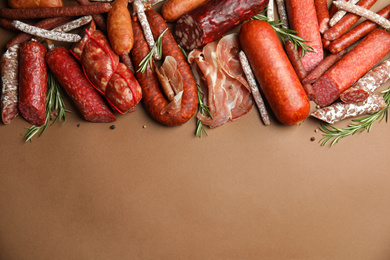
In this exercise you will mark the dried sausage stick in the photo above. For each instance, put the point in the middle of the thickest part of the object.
(173, 9)
(340, 111)
(32, 82)
(355, 64)
(50, 35)
(346, 22)
(369, 15)
(10, 83)
(340, 13)
(44, 24)
(367, 84)
(333, 9)
(71, 77)
(97, 18)
(73, 24)
(47, 12)
(282, 13)
(322, 14)
(357, 32)
(7, 25)
(324, 65)
(295, 59)
(255, 89)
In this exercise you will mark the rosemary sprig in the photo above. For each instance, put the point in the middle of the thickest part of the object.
(148, 59)
(285, 33)
(358, 125)
(54, 102)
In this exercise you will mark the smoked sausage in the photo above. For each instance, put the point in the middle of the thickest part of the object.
(213, 19)
(173, 9)
(351, 67)
(71, 77)
(32, 82)
(34, 3)
(275, 74)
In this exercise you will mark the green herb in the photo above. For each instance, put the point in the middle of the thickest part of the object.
(285, 33)
(148, 60)
(358, 125)
(203, 109)
(54, 102)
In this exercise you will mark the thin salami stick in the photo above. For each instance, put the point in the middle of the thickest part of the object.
(340, 13)
(340, 111)
(10, 83)
(333, 9)
(50, 35)
(7, 25)
(367, 84)
(47, 12)
(98, 18)
(321, 68)
(125, 58)
(254, 87)
(270, 10)
(295, 59)
(282, 13)
(73, 24)
(363, 12)
(322, 14)
(357, 32)
(47, 24)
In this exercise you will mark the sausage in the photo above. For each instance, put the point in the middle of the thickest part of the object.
(346, 22)
(173, 9)
(357, 32)
(99, 20)
(119, 29)
(152, 96)
(47, 24)
(48, 12)
(295, 60)
(354, 64)
(7, 25)
(275, 74)
(303, 19)
(34, 3)
(212, 20)
(333, 9)
(322, 14)
(10, 84)
(71, 77)
(32, 82)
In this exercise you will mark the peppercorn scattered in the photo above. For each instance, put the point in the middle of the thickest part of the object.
(112, 127)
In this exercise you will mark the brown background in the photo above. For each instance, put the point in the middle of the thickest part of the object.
(245, 191)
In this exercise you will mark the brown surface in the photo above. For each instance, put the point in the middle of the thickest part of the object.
(244, 192)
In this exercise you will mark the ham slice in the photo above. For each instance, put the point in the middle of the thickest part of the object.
(227, 94)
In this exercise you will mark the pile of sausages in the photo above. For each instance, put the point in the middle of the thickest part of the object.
(102, 73)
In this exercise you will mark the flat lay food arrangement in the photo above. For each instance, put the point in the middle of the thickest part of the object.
(213, 60)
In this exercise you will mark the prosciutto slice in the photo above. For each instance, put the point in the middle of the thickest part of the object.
(227, 94)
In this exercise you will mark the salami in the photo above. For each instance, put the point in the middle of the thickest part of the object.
(33, 82)
(354, 64)
(212, 20)
(10, 84)
(71, 77)
(322, 14)
(173, 9)
(367, 84)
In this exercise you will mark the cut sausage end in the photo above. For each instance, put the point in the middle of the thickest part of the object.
(32, 114)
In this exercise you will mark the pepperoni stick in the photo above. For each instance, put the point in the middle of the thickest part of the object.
(346, 22)
(324, 65)
(50, 35)
(333, 9)
(7, 25)
(340, 111)
(10, 82)
(295, 60)
(322, 14)
(255, 89)
(282, 13)
(44, 24)
(73, 24)
(370, 15)
(367, 84)
(98, 18)
(357, 32)
(47, 12)
(340, 13)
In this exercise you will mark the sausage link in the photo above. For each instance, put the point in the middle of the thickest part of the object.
(357, 32)
(275, 74)
(173, 9)
(322, 14)
(34, 3)
(354, 64)
(346, 22)
(33, 82)
(48, 12)
(71, 77)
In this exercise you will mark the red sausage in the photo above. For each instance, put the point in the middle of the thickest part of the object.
(295, 60)
(33, 82)
(303, 19)
(346, 22)
(322, 14)
(357, 32)
(71, 77)
(173, 9)
(212, 20)
(275, 74)
(351, 67)
(152, 96)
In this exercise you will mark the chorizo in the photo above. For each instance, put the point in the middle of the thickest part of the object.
(32, 82)
(213, 19)
(173, 9)
(355, 64)
(34, 3)
(275, 74)
(71, 77)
